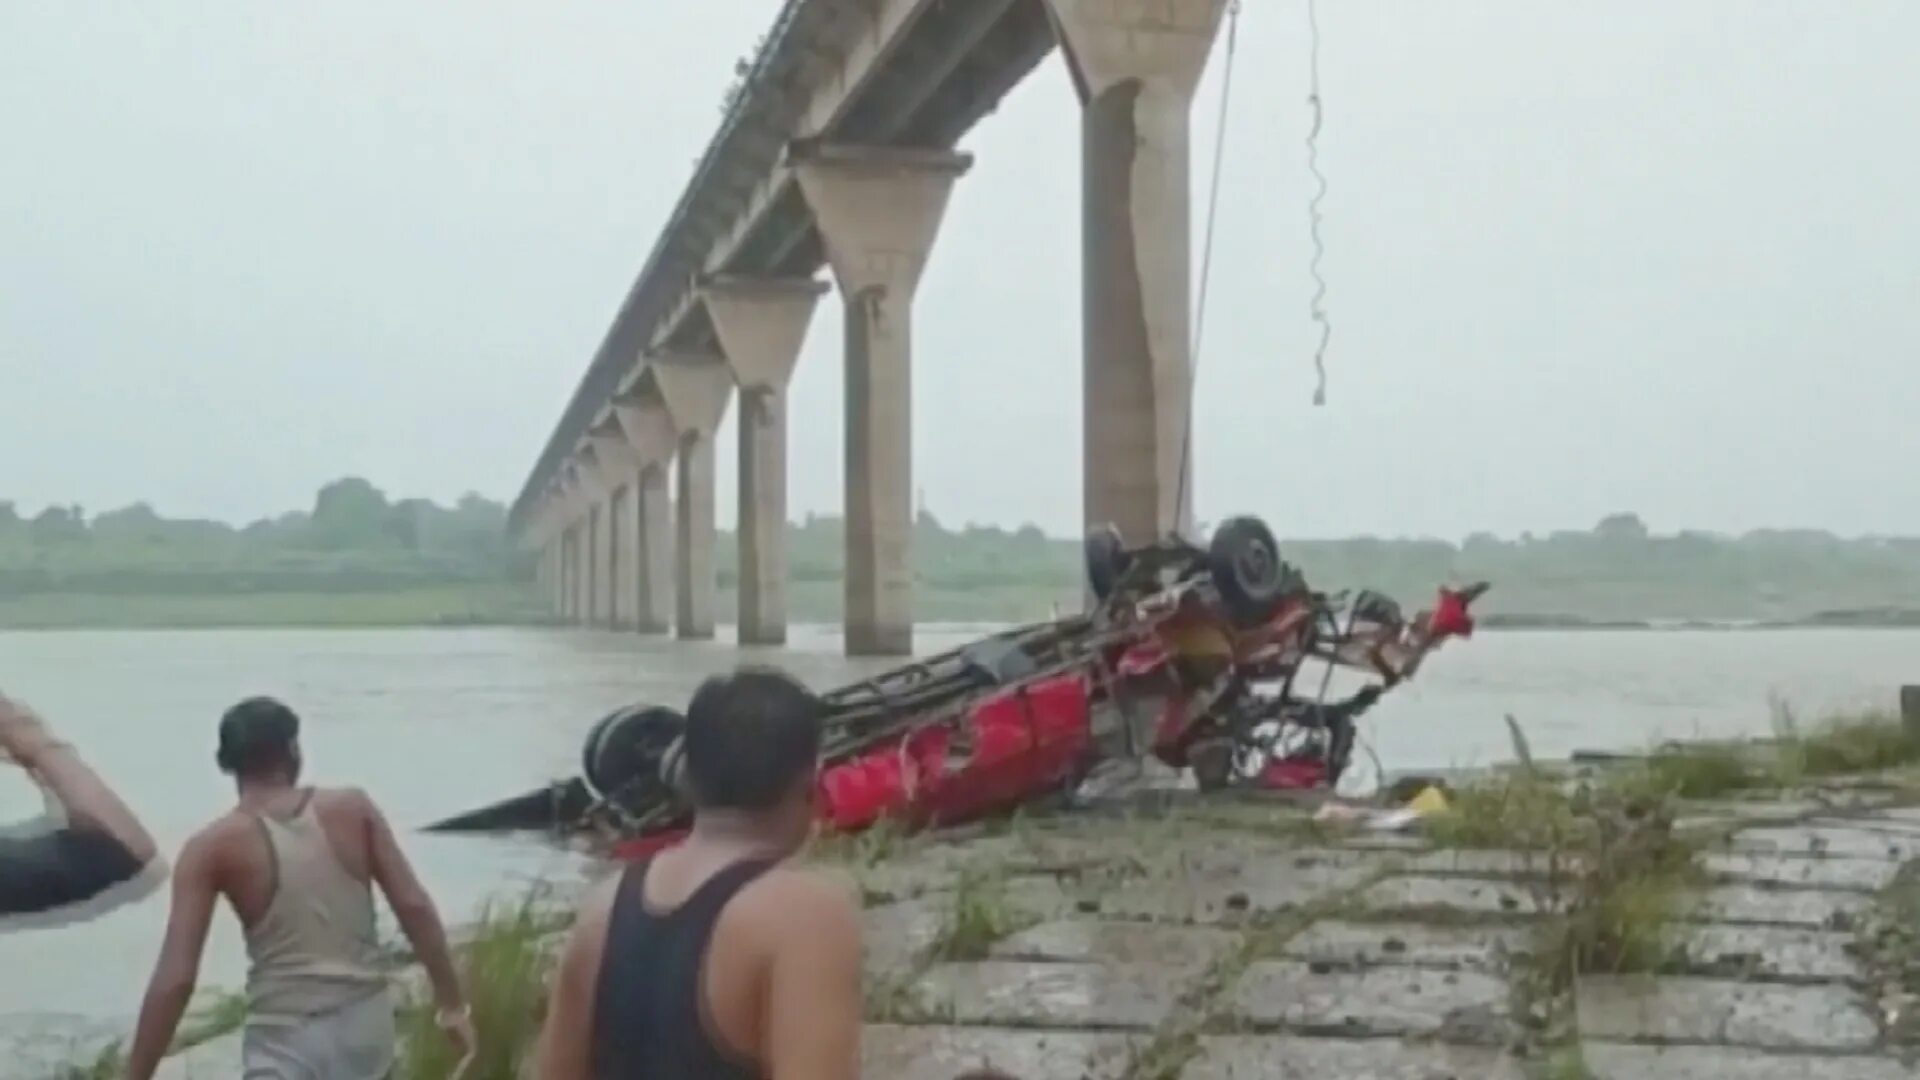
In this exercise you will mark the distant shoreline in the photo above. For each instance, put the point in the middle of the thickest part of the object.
(507, 605)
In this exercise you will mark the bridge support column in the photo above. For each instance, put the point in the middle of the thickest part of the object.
(879, 211)
(617, 466)
(569, 590)
(654, 513)
(695, 390)
(581, 614)
(623, 541)
(600, 591)
(643, 420)
(550, 573)
(761, 324)
(1135, 67)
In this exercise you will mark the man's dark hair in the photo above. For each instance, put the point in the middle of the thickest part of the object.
(257, 736)
(751, 736)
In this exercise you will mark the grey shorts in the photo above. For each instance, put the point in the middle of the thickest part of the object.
(352, 1043)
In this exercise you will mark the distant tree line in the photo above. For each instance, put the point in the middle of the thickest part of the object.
(354, 538)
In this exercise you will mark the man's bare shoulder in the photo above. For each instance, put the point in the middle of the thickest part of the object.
(216, 842)
(348, 800)
(806, 898)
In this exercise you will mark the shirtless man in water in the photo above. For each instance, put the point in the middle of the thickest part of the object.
(298, 866)
(713, 960)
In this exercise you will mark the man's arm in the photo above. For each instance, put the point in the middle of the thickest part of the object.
(412, 908)
(566, 1038)
(814, 1001)
(86, 799)
(178, 968)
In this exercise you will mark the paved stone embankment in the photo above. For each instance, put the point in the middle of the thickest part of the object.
(1210, 940)
(1226, 938)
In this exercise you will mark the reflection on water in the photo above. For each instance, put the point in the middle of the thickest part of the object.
(432, 722)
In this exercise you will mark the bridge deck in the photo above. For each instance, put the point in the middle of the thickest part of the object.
(907, 73)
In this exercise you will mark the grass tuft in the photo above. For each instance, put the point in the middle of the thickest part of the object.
(504, 967)
(979, 913)
(1860, 743)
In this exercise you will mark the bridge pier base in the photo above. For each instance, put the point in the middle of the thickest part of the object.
(878, 211)
(695, 391)
(1136, 67)
(761, 324)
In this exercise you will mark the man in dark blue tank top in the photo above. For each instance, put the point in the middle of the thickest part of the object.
(714, 960)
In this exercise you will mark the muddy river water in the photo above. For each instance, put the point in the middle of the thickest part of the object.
(432, 722)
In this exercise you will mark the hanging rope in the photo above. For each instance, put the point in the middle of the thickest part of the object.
(1317, 307)
(1206, 259)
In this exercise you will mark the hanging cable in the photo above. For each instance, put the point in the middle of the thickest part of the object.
(1206, 260)
(1318, 306)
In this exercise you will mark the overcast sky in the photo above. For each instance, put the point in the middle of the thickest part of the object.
(1581, 256)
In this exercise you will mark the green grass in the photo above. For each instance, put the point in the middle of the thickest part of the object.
(1842, 745)
(504, 966)
(1604, 855)
(978, 914)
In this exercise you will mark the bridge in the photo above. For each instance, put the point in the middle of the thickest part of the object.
(838, 151)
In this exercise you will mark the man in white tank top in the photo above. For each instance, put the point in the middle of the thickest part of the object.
(297, 865)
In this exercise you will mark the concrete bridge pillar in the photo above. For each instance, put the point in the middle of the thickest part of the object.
(649, 430)
(761, 324)
(563, 599)
(581, 614)
(1136, 66)
(598, 592)
(695, 390)
(619, 467)
(878, 211)
(584, 493)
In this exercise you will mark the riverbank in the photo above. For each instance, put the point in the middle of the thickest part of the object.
(1708, 909)
(515, 604)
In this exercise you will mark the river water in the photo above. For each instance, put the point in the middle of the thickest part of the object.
(433, 722)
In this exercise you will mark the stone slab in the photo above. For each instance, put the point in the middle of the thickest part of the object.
(1769, 952)
(892, 1052)
(1697, 1010)
(1479, 863)
(1906, 815)
(1470, 948)
(1098, 941)
(1226, 893)
(1468, 896)
(1468, 1007)
(1864, 875)
(1618, 1061)
(1285, 1057)
(894, 936)
(1834, 842)
(1758, 904)
(1882, 822)
(1066, 995)
(1753, 809)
